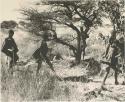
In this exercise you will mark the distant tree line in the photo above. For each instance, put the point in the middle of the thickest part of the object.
(9, 24)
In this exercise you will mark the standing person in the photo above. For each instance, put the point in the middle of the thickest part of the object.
(121, 55)
(10, 48)
(113, 62)
(41, 54)
(111, 53)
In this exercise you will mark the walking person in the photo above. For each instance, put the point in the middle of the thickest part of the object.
(41, 54)
(113, 62)
(121, 55)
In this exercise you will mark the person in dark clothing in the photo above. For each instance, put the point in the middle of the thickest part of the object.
(41, 54)
(113, 61)
(10, 49)
(121, 55)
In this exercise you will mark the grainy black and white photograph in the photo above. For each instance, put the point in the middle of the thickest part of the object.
(62, 50)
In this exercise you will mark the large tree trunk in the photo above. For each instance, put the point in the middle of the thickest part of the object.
(84, 37)
(83, 42)
(83, 48)
(79, 51)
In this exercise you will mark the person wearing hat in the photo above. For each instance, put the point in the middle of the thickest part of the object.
(10, 48)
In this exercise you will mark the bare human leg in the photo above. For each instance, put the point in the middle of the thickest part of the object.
(116, 76)
(106, 75)
(39, 66)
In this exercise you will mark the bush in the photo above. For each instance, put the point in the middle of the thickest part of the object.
(9, 24)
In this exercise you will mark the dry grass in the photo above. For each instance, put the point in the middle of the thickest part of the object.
(24, 85)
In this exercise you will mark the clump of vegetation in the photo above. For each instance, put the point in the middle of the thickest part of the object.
(25, 86)
(9, 24)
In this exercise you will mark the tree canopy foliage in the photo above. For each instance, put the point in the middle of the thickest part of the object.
(80, 16)
(114, 10)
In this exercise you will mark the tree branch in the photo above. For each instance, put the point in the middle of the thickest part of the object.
(82, 17)
(69, 25)
(65, 43)
(58, 40)
(73, 27)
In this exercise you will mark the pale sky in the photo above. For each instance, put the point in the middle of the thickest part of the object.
(9, 8)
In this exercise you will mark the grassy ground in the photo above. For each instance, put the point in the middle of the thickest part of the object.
(24, 85)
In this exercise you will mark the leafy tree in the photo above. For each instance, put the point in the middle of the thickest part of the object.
(35, 21)
(114, 9)
(68, 13)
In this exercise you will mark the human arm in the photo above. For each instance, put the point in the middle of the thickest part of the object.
(15, 48)
(107, 50)
(118, 55)
(3, 46)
